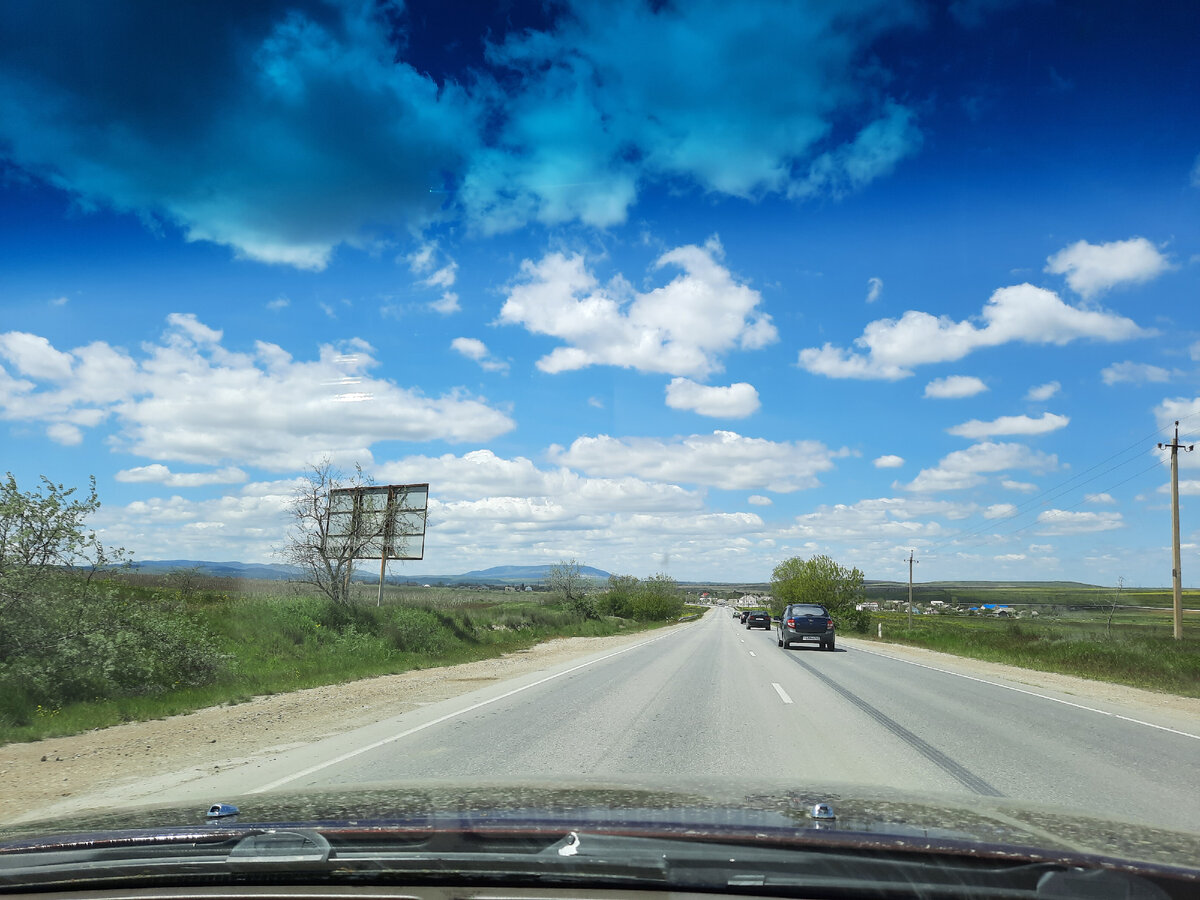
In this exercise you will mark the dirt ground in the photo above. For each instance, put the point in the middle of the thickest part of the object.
(38, 774)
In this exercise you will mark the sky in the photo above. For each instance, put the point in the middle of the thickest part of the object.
(687, 288)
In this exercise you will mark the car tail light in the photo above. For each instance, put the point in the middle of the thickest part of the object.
(791, 623)
(829, 624)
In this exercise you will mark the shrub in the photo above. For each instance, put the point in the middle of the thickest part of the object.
(657, 598)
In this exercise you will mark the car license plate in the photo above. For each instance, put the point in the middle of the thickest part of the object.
(810, 637)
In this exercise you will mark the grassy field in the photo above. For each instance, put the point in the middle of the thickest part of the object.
(267, 639)
(1137, 650)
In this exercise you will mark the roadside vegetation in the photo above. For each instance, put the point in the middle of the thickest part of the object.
(1131, 647)
(86, 642)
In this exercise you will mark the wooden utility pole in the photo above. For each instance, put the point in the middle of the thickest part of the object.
(1176, 573)
(911, 562)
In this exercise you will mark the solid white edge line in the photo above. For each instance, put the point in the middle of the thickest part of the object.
(453, 715)
(1007, 687)
(781, 692)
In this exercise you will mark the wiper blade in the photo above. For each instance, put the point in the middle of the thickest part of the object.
(311, 855)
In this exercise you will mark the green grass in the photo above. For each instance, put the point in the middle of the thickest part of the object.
(1139, 651)
(272, 641)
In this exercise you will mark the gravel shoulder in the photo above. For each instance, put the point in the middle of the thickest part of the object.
(43, 774)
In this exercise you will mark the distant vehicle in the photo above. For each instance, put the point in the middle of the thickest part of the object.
(737, 614)
(758, 619)
(806, 623)
(745, 613)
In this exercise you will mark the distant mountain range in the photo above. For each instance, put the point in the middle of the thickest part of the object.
(275, 572)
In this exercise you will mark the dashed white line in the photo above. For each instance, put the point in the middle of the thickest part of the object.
(752, 653)
(781, 692)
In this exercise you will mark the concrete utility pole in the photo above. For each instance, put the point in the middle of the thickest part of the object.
(911, 562)
(1176, 573)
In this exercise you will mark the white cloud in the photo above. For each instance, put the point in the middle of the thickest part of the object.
(1000, 511)
(59, 301)
(1022, 313)
(160, 474)
(445, 304)
(279, 303)
(1133, 373)
(475, 349)
(1194, 352)
(680, 328)
(874, 289)
(759, 500)
(886, 518)
(64, 433)
(975, 429)
(733, 402)
(1061, 521)
(32, 355)
(888, 461)
(1098, 498)
(1094, 268)
(722, 459)
(187, 326)
(595, 402)
(189, 399)
(1009, 557)
(965, 468)
(954, 386)
(1042, 392)
(1023, 487)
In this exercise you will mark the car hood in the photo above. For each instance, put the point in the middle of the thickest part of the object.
(716, 809)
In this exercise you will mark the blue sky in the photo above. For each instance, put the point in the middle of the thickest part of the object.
(661, 287)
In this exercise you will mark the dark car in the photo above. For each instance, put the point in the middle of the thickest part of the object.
(758, 619)
(806, 623)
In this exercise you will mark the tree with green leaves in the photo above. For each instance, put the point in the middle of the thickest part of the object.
(44, 535)
(820, 580)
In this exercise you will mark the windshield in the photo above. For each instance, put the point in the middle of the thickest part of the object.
(400, 392)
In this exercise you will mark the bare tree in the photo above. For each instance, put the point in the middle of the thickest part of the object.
(565, 578)
(323, 559)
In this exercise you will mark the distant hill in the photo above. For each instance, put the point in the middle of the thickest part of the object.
(274, 572)
(267, 571)
(530, 573)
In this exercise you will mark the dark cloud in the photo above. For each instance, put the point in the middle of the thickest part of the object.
(285, 129)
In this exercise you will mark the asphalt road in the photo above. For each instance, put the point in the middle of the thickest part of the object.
(712, 698)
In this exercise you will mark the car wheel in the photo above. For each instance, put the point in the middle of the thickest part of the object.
(779, 641)
(829, 646)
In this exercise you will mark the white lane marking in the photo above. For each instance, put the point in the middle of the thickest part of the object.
(438, 721)
(781, 692)
(752, 653)
(1007, 687)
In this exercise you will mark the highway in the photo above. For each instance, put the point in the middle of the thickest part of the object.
(711, 699)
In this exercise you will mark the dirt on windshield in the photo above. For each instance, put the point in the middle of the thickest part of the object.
(43, 773)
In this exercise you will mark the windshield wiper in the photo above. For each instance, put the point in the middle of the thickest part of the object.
(577, 858)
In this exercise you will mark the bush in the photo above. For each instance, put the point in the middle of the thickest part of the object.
(657, 598)
(95, 645)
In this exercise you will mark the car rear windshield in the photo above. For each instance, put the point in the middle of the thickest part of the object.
(808, 611)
